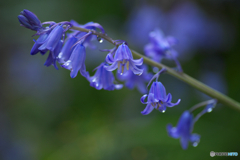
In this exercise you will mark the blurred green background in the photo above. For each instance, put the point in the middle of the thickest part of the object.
(46, 115)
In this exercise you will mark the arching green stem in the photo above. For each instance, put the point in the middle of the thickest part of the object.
(182, 76)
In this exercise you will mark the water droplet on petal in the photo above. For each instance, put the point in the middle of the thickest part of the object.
(195, 144)
(163, 111)
(209, 110)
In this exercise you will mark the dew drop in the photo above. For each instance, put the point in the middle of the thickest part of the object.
(195, 144)
(163, 111)
(209, 110)
(100, 40)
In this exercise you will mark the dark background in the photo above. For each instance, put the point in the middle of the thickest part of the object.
(44, 114)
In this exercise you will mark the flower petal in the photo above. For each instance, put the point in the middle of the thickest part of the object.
(168, 98)
(160, 91)
(148, 109)
(184, 142)
(135, 70)
(111, 67)
(173, 104)
(151, 98)
(143, 98)
(109, 58)
(172, 131)
(137, 62)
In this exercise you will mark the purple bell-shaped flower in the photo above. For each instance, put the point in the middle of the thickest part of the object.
(103, 79)
(76, 62)
(123, 60)
(184, 130)
(160, 46)
(53, 38)
(157, 99)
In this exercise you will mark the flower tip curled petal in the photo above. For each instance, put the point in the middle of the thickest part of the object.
(29, 20)
(151, 103)
(109, 58)
(169, 101)
(143, 98)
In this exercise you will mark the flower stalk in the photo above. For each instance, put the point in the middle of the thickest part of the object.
(180, 75)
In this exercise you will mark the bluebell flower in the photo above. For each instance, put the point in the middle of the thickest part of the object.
(160, 47)
(157, 99)
(76, 61)
(53, 39)
(132, 80)
(103, 79)
(67, 49)
(186, 123)
(52, 57)
(29, 20)
(184, 130)
(38, 43)
(123, 60)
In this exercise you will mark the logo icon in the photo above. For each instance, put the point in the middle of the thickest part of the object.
(212, 154)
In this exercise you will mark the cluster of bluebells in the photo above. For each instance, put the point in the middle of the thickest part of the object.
(70, 53)
(69, 50)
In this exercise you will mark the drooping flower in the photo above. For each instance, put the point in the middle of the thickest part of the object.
(38, 43)
(132, 80)
(53, 39)
(103, 79)
(29, 20)
(52, 57)
(123, 60)
(160, 47)
(184, 130)
(67, 49)
(76, 61)
(157, 99)
(186, 123)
